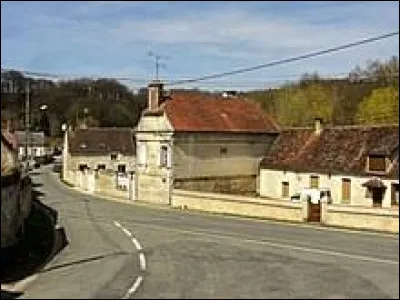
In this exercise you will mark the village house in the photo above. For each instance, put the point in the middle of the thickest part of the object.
(202, 142)
(108, 150)
(359, 164)
(38, 145)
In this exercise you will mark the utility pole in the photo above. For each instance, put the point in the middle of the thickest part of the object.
(27, 122)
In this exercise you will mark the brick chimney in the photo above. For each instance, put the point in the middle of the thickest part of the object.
(318, 125)
(154, 95)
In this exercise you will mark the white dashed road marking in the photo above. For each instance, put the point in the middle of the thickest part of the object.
(134, 287)
(136, 243)
(142, 260)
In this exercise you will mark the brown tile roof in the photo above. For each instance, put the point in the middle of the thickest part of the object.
(102, 141)
(198, 112)
(37, 138)
(336, 150)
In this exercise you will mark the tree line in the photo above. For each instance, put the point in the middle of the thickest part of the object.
(368, 95)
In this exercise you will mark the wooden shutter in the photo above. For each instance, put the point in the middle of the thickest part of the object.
(314, 182)
(346, 190)
(285, 189)
(395, 194)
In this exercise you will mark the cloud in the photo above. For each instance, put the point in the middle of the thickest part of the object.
(200, 38)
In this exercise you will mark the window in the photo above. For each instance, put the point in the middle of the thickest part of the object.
(121, 168)
(164, 156)
(395, 194)
(314, 182)
(113, 156)
(377, 163)
(141, 154)
(346, 190)
(223, 150)
(285, 189)
(101, 167)
(82, 167)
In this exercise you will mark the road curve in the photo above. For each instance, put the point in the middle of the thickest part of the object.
(194, 255)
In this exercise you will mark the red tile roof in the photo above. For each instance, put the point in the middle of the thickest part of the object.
(198, 112)
(336, 150)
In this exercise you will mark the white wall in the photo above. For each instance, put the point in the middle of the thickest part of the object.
(153, 181)
(35, 151)
(271, 186)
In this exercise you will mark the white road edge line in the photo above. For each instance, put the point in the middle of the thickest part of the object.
(142, 259)
(134, 287)
(117, 224)
(277, 245)
(20, 285)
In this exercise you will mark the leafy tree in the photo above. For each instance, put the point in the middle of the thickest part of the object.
(382, 106)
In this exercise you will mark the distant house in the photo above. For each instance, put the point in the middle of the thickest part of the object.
(200, 142)
(358, 163)
(38, 145)
(100, 149)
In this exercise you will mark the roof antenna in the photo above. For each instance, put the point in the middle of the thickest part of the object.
(157, 58)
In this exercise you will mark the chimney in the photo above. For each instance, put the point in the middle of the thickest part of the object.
(318, 125)
(154, 96)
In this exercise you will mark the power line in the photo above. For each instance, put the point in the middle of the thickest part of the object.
(287, 60)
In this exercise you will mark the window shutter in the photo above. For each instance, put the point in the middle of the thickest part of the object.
(169, 157)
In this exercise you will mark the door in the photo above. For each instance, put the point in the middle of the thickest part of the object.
(314, 211)
(377, 196)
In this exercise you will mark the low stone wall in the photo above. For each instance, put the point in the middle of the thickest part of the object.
(238, 205)
(239, 185)
(106, 184)
(16, 200)
(103, 183)
(380, 219)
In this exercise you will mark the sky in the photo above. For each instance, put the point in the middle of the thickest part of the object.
(193, 38)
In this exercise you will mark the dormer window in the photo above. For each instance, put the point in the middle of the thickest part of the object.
(83, 146)
(377, 163)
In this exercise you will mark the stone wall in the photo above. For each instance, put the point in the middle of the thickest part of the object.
(379, 219)
(16, 199)
(238, 205)
(102, 182)
(240, 185)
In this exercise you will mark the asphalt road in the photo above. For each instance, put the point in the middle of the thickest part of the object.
(119, 250)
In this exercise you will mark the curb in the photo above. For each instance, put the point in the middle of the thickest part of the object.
(317, 226)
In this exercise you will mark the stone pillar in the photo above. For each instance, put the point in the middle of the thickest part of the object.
(324, 210)
(305, 208)
(91, 181)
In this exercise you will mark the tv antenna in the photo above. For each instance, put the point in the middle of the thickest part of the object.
(157, 58)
